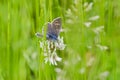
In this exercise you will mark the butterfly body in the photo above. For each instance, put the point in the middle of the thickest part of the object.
(51, 37)
(53, 29)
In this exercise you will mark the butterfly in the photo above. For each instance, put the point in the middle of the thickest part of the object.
(53, 29)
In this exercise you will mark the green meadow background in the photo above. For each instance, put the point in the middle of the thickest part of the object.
(84, 58)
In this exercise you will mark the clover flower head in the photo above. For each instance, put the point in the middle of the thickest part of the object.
(52, 57)
(50, 48)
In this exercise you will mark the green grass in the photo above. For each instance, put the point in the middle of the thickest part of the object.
(21, 19)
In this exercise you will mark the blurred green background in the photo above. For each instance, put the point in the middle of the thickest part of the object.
(91, 53)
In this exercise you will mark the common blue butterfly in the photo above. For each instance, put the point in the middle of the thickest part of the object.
(53, 29)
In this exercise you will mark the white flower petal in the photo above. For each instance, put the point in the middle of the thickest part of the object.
(58, 59)
(41, 44)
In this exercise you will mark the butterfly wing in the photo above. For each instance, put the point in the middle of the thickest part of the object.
(53, 29)
(49, 28)
(56, 24)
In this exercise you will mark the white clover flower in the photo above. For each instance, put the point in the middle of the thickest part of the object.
(49, 48)
(53, 58)
(41, 44)
(87, 24)
(94, 18)
(60, 44)
(52, 45)
(45, 54)
(48, 45)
